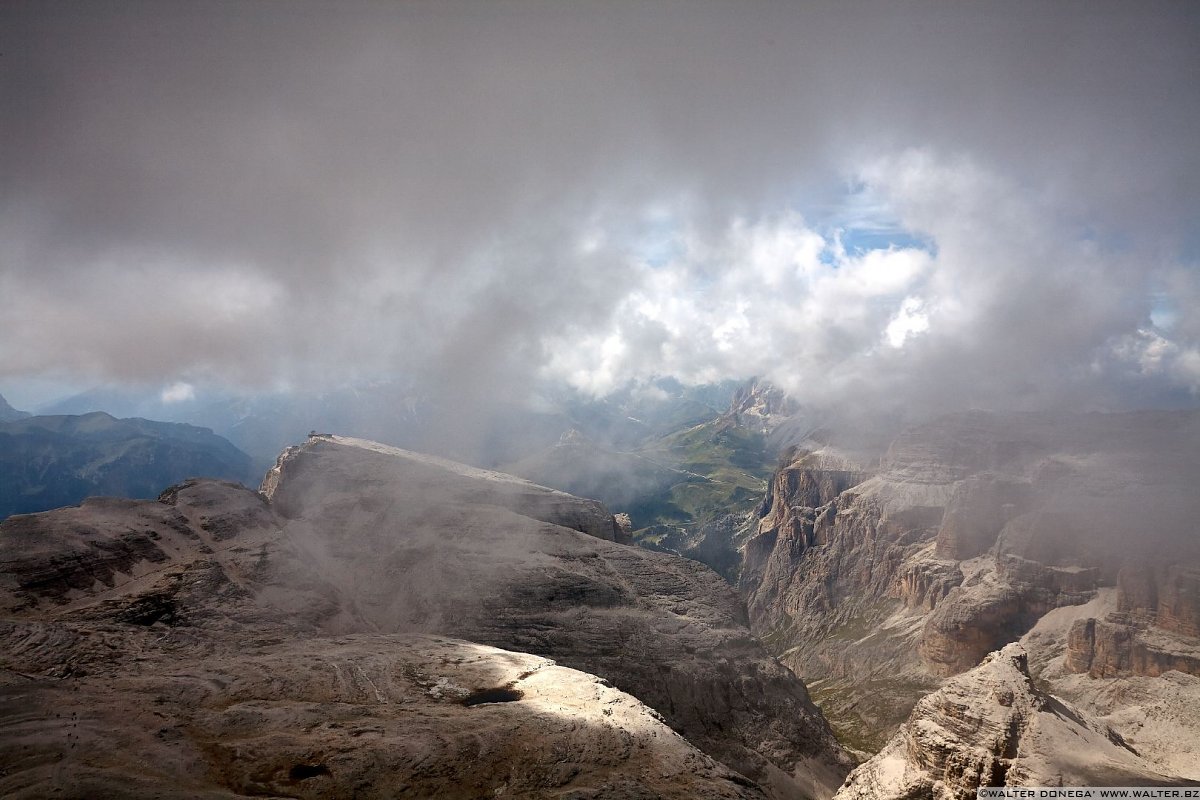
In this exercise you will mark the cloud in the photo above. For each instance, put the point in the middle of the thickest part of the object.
(472, 196)
(999, 304)
(909, 320)
(177, 392)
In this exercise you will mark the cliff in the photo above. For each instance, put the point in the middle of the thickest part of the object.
(991, 727)
(877, 582)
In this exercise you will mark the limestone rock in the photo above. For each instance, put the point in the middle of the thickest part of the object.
(366, 716)
(977, 510)
(996, 607)
(991, 727)
(973, 527)
(353, 544)
(1152, 631)
(924, 584)
(665, 629)
(1159, 715)
(1111, 649)
(761, 406)
(456, 484)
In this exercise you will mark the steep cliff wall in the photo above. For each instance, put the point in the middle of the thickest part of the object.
(973, 527)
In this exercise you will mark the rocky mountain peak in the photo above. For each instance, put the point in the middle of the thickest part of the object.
(992, 727)
(760, 405)
(573, 436)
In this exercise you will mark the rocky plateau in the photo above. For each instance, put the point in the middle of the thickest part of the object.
(377, 623)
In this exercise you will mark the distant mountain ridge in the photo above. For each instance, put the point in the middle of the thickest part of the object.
(688, 473)
(53, 461)
(421, 418)
(8, 413)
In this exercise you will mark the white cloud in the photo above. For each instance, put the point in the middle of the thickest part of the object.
(766, 296)
(178, 392)
(1151, 355)
(1002, 306)
(910, 319)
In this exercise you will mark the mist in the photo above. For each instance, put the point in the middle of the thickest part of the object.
(899, 208)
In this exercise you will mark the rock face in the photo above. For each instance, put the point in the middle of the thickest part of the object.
(761, 405)
(992, 727)
(255, 617)
(352, 716)
(1153, 630)
(1111, 649)
(48, 462)
(996, 607)
(977, 510)
(1159, 715)
(875, 582)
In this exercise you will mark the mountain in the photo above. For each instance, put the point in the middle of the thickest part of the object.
(584, 467)
(992, 727)
(422, 417)
(47, 462)
(761, 405)
(688, 480)
(878, 582)
(377, 621)
(8, 413)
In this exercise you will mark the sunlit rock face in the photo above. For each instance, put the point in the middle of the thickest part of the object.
(375, 716)
(958, 540)
(991, 727)
(297, 642)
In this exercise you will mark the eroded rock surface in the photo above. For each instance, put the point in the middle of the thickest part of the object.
(965, 533)
(217, 595)
(353, 716)
(991, 727)
(1152, 631)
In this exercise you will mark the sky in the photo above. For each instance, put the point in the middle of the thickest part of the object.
(877, 205)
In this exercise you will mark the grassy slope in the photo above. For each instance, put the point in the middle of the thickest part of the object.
(724, 470)
(728, 467)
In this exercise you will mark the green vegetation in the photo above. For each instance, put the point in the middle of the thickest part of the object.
(865, 715)
(725, 470)
(684, 473)
(720, 472)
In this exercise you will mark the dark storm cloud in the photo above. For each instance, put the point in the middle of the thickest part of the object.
(265, 193)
